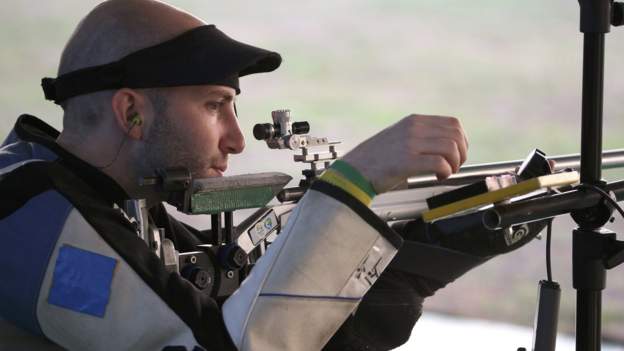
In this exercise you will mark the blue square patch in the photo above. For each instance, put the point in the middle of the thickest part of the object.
(82, 281)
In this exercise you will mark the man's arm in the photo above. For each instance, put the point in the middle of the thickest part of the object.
(313, 276)
(295, 297)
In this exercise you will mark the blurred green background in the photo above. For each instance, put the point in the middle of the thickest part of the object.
(510, 70)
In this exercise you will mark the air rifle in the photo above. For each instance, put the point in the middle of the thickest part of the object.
(222, 263)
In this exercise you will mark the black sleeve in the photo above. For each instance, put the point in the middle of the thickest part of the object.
(385, 317)
(387, 314)
(432, 256)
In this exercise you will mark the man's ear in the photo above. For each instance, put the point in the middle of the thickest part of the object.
(129, 110)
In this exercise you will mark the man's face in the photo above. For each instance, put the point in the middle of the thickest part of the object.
(194, 127)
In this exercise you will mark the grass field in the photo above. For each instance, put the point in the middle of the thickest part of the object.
(509, 69)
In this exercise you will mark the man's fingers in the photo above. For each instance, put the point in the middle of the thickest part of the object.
(416, 145)
(458, 135)
(441, 127)
(434, 164)
(445, 147)
(439, 132)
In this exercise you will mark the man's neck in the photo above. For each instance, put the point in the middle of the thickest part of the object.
(112, 161)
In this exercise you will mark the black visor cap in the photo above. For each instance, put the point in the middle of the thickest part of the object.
(201, 56)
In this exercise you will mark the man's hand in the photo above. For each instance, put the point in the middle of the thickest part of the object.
(416, 145)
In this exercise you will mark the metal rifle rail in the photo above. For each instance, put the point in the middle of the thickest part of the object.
(473, 173)
(548, 206)
(409, 203)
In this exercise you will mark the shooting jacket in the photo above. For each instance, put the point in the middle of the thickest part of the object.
(75, 274)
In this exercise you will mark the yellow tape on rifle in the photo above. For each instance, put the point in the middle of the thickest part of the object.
(525, 187)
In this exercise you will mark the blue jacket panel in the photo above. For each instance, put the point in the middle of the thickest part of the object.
(28, 237)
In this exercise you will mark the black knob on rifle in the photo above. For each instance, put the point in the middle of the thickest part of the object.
(300, 127)
(199, 277)
(263, 131)
(232, 256)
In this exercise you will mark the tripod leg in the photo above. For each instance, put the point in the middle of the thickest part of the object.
(589, 277)
(588, 311)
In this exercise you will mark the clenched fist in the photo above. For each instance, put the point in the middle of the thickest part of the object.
(416, 145)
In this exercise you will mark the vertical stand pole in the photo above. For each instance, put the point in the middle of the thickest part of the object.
(591, 132)
(589, 273)
(589, 276)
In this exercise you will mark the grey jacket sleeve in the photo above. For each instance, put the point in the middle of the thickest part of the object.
(313, 276)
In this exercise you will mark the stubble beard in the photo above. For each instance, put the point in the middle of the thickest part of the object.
(165, 147)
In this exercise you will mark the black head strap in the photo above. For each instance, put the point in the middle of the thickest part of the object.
(201, 56)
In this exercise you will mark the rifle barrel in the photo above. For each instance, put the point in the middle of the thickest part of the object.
(503, 216)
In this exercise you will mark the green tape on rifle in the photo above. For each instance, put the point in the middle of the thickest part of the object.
(230, 200)
(225, 194)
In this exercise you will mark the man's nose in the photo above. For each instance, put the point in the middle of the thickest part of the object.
(233, 141)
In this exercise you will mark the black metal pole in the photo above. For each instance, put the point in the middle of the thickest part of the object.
(591, 133)
(216, 229)
(588, 270)
(588, 296)
(588, 305)
(228, 230)
(589, 276)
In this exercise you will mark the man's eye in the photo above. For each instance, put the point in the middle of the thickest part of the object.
(214, 105)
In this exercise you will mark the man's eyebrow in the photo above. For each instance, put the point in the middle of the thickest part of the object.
(226, 95)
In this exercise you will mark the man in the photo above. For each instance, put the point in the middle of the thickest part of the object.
(146, 86)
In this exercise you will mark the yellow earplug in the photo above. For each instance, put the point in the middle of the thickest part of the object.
(135, 120)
